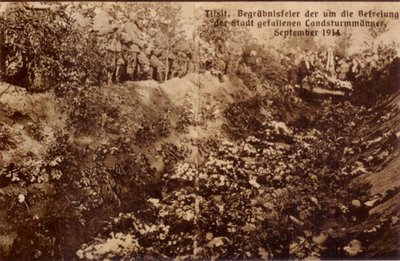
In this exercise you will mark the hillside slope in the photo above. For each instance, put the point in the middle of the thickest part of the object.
(106, 151)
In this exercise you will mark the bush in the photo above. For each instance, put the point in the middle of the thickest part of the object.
(42, 49)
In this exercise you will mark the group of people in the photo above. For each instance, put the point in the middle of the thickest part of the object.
(132, 59)
(364, 66)
(135, 60)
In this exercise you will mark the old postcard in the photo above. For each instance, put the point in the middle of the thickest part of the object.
(199, 130)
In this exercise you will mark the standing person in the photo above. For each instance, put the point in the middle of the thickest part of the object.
(132, 62)
(252, 59)
(219, 67)
(109, 58)
(182, 64)
(291, 67)
(173, 65)
(232, 63)
(394, 72)
(114, 49)
(372, 66)
(121, 65)
(363, 74)
(191, 68)
(157, 67)
(144, 64)
(304, 69)
(353, 71)
(343, 68)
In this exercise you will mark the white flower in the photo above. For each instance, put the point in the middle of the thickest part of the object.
(21, 198)
(254, 182)
(353, 248)
(154, 201)
(79, 253)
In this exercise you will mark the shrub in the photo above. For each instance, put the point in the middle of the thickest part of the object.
(42, 49)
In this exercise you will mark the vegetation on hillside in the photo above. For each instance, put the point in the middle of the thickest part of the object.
(144, 170)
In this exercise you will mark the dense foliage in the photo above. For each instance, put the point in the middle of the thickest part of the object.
(128, 174)
(41, 49)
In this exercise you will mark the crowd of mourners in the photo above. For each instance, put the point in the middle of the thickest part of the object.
(132, 59)
(369, 65)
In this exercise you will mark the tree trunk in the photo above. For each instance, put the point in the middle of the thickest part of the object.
(167, 62)
(166, 66)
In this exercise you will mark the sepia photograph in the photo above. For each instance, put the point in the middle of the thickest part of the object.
(199, 130)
